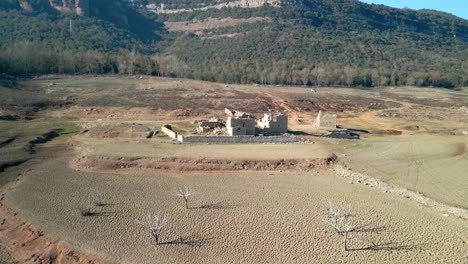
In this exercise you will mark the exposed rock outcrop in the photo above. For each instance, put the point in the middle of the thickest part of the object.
(234, 4)
(79, 7)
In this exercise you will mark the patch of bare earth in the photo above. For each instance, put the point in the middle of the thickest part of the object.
(197, 26)
(113, 164)
(460, 149)
(28, 244)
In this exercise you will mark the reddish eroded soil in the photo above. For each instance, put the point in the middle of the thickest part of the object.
(28, 244)
(387, 132)
(460, 149)
(99, 163)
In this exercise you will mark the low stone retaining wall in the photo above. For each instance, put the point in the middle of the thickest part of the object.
(169, 132)
(238, 139)
(229, 139)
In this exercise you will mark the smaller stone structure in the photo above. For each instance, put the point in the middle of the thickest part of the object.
(325, 120)
(273, 125)
(209, 126)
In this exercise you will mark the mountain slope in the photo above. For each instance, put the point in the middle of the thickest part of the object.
(318, 42)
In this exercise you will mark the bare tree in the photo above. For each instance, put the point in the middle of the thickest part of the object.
(87, 209)
(340, 218)
(155, 224)
(185, 192)
(99, 200)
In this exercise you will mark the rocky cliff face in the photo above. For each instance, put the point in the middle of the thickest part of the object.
(232, 4)
(79, 7)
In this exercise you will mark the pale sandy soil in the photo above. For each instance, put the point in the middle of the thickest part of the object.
(237, 217)
(23, 242)
(435, 166)
(5, 256)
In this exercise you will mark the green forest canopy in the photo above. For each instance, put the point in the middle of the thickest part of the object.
(316, 42)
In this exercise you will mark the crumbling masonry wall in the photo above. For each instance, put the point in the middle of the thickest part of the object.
(325, 120)
(166, 130)
(228, 139)
(273, 125)
(240, 126)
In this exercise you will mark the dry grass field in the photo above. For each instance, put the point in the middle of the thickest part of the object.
(264, 214)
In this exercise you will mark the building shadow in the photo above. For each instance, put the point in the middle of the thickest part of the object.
(298, 133)
(355, 130)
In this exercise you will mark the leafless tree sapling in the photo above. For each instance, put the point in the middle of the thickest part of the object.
(155, 224)
(87, 210)
(339, 217)
(185, 192)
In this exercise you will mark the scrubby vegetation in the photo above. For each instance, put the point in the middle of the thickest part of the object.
(313, 42)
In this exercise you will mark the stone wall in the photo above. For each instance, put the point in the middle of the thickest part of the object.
(229, 139)
(273, 125)
(325, 120)
(247, 123)
(239, 139)
(236, 131)
(169, 132)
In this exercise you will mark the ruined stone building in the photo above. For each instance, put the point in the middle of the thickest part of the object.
(270, 124)
(242, 125)
(325, 120)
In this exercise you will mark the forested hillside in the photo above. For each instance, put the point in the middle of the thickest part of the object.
(314, 42)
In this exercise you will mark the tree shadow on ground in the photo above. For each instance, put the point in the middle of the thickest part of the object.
(389, 246)
(91, 213)
(192, 241)
(103, 204)
(369, 229)
(214, 206)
